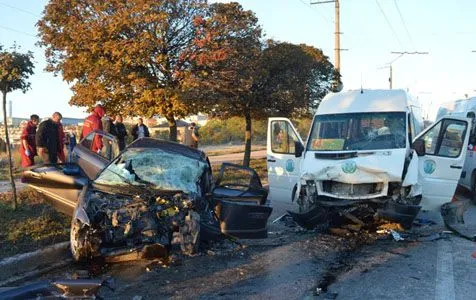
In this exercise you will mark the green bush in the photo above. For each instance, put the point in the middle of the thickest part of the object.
(231, 131)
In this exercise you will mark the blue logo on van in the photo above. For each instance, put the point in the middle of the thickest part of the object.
(290, 165)
(429, 166)
(349, 167)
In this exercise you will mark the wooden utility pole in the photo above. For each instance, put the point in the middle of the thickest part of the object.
(400, 54)
(337, 32)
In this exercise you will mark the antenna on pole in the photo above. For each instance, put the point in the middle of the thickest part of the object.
(361, 84)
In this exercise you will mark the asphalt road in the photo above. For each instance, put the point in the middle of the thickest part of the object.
(295, 264)
(234, 157)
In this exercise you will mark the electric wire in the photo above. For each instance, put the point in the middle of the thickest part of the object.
(17, 31)
(319, 12)
(389, 24)
(19, 9)
(404, 23)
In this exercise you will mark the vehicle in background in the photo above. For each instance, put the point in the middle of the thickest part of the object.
(359, 154)
(464, 108)
(136, 200)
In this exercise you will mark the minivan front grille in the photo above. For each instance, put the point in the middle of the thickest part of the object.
(352, 190)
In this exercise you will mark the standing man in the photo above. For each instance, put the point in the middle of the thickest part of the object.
(28, 143)
(195, 135)
(121, 132)
(47, 139)
(140, 130)
(93, 122)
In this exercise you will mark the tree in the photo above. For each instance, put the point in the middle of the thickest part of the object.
(239, 75)
(15, 69)
(227, 64)
(130, 55)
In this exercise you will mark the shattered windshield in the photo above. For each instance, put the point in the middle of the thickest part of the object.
(163, 170)
(358, 131)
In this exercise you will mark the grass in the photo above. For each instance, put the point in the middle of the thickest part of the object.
(230, 150)
(259, 165)
(34, 224)
(4, 172)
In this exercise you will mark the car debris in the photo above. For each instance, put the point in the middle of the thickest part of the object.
(152, 195)
(62, 288)
(366, 157)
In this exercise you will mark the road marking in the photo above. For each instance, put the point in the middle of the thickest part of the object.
(445, 284)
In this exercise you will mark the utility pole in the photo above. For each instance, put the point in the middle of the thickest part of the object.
(337, 32)
(400, 54)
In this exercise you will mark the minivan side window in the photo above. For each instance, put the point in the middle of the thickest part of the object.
(283, 138)
(446, 138)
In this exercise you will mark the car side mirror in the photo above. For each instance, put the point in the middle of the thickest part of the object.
(298, 149)
(419, 147)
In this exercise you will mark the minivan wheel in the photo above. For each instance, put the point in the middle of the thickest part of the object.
(473, 187)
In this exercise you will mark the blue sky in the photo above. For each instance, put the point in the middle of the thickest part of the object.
(445, 29)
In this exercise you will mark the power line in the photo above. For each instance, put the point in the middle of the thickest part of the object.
(404, 23)
(17, 31)
(389, 24)
(20, 9)
(319, 12)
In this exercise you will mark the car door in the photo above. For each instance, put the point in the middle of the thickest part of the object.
(60, 187)
(240, 202)
(282, 163)
(439, 169)
(95, 151)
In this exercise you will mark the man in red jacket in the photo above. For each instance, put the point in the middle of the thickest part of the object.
(93, 122)
(28, 143)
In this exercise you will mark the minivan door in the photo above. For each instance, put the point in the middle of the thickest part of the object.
(282, 163)
(439, 169)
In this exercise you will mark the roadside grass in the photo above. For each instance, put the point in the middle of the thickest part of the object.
(34, 224)
(259, 165)
(4, 172)
(213, 151)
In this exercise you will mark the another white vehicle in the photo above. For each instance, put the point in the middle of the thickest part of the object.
(359, 151)
(464, 108)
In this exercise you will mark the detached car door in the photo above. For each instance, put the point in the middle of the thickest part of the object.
(439, 169)
(95, 151)
(283, 165)
(240, 202)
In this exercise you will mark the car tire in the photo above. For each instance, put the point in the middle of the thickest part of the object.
(189, 234)
(81, 248)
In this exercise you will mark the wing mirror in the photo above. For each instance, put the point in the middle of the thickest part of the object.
(419, 147)
(298, 149)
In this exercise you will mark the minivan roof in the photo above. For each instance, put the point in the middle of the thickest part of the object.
(457, 107)
(355, 101)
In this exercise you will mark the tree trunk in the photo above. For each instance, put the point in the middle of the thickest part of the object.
(247, 155)
(172, 128)
(9, 150)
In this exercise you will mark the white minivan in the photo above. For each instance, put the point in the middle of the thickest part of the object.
(366, 147)
(464, 108)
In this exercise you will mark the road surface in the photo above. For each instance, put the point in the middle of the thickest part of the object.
(236, 157)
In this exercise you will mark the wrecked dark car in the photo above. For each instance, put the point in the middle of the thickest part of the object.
(146, 195)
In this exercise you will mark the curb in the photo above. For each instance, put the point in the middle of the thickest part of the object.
(21, 266)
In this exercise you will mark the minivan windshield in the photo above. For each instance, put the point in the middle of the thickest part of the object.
(358, 131)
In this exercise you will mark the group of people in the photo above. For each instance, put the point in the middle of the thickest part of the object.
(47, 139)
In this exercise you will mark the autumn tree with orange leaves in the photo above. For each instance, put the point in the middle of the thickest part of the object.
(132, 55)
(237, 74)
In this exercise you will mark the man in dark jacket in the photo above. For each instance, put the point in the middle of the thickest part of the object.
(140, 130)
(48, 139)
(28, 143)
(121, 132)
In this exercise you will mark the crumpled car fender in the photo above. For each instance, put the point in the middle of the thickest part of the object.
(80, 211)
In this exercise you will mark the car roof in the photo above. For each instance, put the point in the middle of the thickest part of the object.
(168, 146)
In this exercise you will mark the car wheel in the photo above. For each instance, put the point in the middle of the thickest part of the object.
(81, 247)
(190, 234)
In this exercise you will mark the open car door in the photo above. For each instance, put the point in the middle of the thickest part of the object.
(95, 151)
(61, 186)
(283, 165)
(240, 202)
(441, 162)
